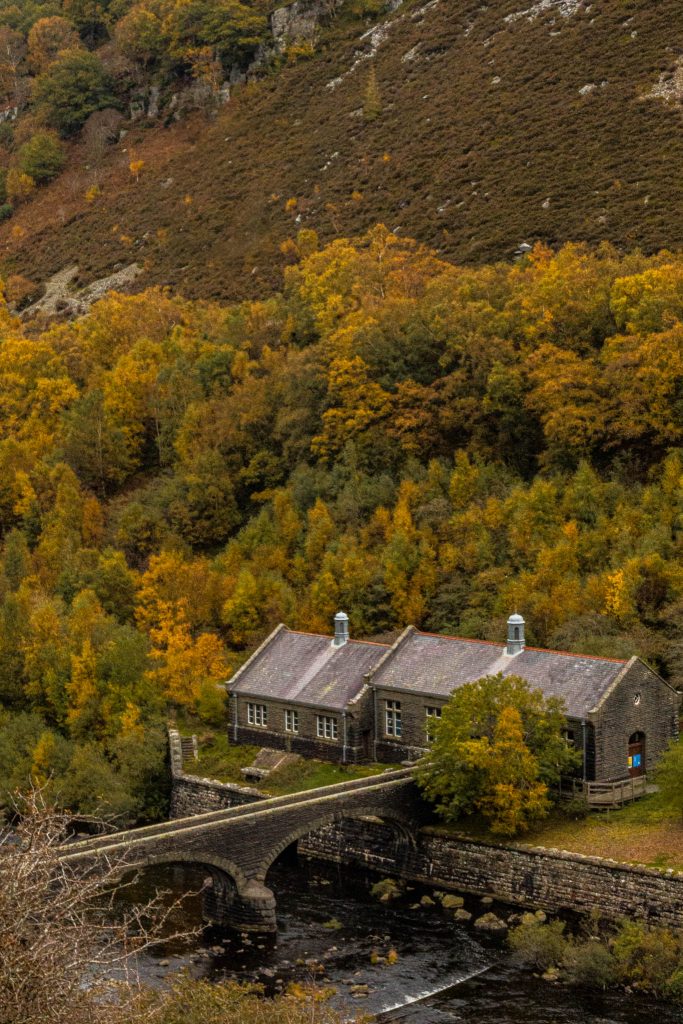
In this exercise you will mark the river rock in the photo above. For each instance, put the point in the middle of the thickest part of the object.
(490, 923)
(462, 915)
(486, 901)
(541, 916)
(451, 902)
(426, 901)
(552, 974)
(386, 890)
(163, 963)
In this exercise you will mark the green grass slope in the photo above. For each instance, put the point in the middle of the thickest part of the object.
(497, 126)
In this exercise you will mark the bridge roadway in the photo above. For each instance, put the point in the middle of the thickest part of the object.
(238, 845)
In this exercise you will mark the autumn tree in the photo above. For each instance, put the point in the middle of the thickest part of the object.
(372, 101)
(498, 748)
(13, 82)
(47, 38)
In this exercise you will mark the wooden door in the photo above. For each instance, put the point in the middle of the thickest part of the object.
(636, 755)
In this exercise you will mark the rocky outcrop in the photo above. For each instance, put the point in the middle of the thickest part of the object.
(300, 22)
(62, 299)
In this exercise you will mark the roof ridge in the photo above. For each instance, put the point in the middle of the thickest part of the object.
(328, 636)
(573, 654)
(540, 650)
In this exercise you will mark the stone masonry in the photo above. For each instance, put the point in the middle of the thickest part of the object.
(238, 845)
(539, 878)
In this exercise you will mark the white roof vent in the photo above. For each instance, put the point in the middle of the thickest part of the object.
(515, 644)
(341, 629)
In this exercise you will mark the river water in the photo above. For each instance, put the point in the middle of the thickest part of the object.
(330, 929)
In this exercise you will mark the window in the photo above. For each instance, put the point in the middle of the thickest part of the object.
(257, 714)
(327, 727)
(393, 718)
(569, 737)
(291, 721)
(432, 715)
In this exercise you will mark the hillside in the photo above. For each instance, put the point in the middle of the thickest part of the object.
(497, 124)
(408, 440)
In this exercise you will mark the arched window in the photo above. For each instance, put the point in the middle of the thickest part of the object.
(516, 632)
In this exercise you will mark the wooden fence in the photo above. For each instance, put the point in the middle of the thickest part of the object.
(604, 794)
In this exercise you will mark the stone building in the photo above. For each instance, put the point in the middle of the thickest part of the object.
(349, 701)
(308, 694)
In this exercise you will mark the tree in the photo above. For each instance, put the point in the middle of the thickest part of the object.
(139, 35)
(42, 157)
(498, 748)
(372, 101)
(232, 29)
(57, 928)
(19, 185)
(12, 54)
(47, 38)
(73, 87)
(64, 932)
(669, 776)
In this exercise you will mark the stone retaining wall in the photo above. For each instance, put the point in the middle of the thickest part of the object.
(551, 880)
(532, 877)
(193, 795)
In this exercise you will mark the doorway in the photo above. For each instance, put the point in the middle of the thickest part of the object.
(636, 755)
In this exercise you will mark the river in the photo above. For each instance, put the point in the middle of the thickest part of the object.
(330, 929)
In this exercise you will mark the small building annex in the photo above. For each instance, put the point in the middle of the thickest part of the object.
(346, 700)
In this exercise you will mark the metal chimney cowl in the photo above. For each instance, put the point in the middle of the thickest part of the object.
(515, 642)
(341, 629)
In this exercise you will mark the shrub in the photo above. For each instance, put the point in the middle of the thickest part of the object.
(6, 211)
(19, 185)
(538, 945)
(211, 703)
(646, 958)
(590, 963)
(669, 776)
(42, 157)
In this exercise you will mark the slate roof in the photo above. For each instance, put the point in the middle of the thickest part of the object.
(303, 668)
(437, 665)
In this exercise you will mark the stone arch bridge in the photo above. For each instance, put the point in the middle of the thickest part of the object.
(238, 845)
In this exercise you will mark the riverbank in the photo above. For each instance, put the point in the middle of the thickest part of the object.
(332, 931)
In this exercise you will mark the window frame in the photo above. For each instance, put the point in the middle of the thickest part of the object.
(432, 714)
(292, 721)
(393, 719)
(327, 727)
(257, 715)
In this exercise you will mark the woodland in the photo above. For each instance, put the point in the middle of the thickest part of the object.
(391, 434)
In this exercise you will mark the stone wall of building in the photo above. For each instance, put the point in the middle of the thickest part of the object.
(306, 742)
(551, 880)
(640, 702)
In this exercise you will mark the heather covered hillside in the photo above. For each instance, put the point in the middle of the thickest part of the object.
(408, 439)
(469, 127)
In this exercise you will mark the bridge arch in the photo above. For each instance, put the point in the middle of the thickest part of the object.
(403, 824)
(202, 859)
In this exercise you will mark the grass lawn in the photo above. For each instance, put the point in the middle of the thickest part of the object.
(643, 832)
(219, 759)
